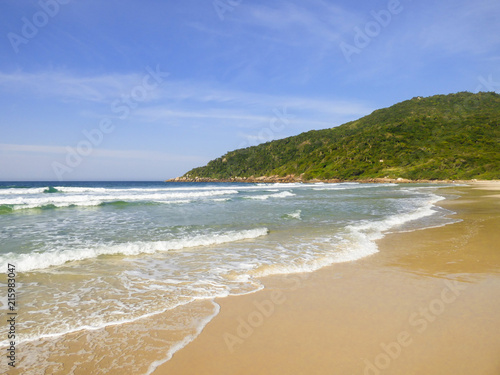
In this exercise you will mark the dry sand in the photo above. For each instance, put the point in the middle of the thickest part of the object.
(427, 303)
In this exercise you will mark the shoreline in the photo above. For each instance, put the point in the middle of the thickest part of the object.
(293, 178)
(338, 315)
(345, 318)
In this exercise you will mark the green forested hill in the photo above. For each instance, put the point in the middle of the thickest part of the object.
(454, 136)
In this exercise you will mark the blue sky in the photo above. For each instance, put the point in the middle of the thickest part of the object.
(146, 90)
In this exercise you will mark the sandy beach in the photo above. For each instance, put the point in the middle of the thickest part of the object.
(427, 303)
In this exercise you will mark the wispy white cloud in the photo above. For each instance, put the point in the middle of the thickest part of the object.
(254, 102)
(213, 94)
(43, 149)
(99, 153)
(180, 98)
(319, 20)
(234, 119)
(254, 111)
(68, 86)
(159, 113)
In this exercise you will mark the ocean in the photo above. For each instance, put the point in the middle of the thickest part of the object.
(94, 255)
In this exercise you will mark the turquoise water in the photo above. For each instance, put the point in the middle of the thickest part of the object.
(94, 254)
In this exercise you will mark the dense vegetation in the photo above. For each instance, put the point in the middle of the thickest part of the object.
(452, 136)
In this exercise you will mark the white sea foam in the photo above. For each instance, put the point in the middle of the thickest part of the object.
(351, 185)
(425, 209)
(295, 215)
(221, 199)
(36, 261)
(172, 188)
(338, 249)
(358, 241)
(66, 200)
(28, 191)
(283, 194)
(185, 341)
(140, 190)
(177, 201)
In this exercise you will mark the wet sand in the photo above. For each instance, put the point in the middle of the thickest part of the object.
(427, 303)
